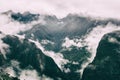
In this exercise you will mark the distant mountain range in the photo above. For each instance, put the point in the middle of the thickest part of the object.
(43, 47)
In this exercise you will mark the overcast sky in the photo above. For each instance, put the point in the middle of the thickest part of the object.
(103, 8)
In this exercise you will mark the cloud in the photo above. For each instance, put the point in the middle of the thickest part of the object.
(9, 26)
(104, 8)
(47, 42)
(10, 69)
(113, 40)
(68, 43)
(29, 75)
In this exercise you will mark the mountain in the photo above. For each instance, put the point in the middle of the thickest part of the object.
(106, 63)
(43, 47)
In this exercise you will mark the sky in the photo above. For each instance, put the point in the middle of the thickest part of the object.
(60, 8)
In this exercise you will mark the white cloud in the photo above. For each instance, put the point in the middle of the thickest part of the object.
(113, 40)
(47, 42)
(104, 8)
(9, 26)
(29, 75)
(9, 69)
(68, 43)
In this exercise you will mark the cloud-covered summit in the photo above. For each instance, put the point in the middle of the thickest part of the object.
(71, 42)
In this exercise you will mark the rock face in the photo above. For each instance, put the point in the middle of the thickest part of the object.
(106, 65)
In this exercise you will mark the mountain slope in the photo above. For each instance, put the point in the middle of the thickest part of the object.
(27, 57)
(106, 63)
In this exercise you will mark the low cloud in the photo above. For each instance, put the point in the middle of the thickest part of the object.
(29, 75)
(9, 26)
